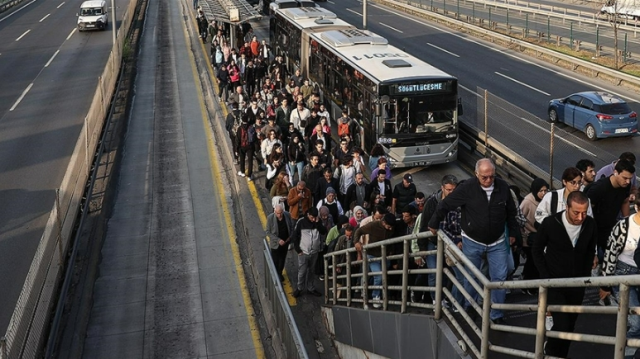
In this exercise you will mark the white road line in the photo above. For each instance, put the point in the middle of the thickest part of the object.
(21, 36)
(443, 50)
(51, 59)
(21, 97)
(392, 28)
(13, 13)
(522, 83)
(72, 31)
(331, 2)
(59, 6)
(46, 16)
(355, 12)
(570, 76)
(541, 128)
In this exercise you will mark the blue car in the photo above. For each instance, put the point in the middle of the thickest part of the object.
(598, 114)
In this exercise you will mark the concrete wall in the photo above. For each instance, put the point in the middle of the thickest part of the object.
(359, 333)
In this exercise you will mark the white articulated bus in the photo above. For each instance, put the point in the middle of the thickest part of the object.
(408, 106)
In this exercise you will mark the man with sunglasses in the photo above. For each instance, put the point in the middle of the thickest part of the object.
(487, 209)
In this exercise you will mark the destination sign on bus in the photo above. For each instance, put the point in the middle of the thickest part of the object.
(420, 88)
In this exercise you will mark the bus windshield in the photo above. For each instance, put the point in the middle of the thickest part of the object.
(413, 115)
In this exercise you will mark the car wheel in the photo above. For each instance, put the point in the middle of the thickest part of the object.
(590, 131)
(553, 115)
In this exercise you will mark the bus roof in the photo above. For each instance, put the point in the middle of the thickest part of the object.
(308, 18)
(373, 55)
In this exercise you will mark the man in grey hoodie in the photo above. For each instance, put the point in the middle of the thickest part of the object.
(307, 240)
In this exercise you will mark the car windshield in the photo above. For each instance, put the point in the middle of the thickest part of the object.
(91, 12)
(614, 108)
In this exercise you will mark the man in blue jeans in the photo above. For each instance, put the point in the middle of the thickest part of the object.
(372, 232)
(486, 205)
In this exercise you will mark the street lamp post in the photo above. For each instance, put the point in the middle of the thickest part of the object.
(113, 20)
(364, 14)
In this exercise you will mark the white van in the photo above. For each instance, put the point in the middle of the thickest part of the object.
(93, 15)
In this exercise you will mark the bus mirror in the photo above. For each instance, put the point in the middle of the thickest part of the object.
(460, 109)
(385, 99)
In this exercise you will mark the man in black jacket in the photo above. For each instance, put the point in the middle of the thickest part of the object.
(381, 187)
(486, 205)
(564, 248)
(358, 194)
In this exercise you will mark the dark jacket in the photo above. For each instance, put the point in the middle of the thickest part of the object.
(352, 196)
(561, 259)
(376, 232)
(404, 195)
(307, 236)
(482, 220)
(388, 191)
(320, 191)
(311, 175)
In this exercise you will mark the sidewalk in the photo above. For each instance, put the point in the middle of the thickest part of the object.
(171, 282)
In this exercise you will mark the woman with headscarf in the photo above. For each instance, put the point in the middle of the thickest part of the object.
(539, 188)
(359, 214)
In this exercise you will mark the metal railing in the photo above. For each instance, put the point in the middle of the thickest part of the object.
(286, 324)
(447, 250)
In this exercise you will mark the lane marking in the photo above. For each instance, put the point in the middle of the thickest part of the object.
(59, 6)
(23, 35)
(51, 59)
(72, 31)
(24, 93)
(287, 285)
(391, 27)
(216, 176)
(443, 50)
(46, 16)
(542, 128)
(13, 13)
(570, 76)
(522, 83)
(355, 12)
(331, 2)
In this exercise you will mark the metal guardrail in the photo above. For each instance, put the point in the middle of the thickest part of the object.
(9, 4)
(594, 70)
(447, 249)
(286, 324)
(26, 333)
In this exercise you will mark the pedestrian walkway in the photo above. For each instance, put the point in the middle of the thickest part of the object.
(171, 281)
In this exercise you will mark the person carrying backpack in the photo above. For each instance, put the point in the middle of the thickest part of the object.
(245, 139)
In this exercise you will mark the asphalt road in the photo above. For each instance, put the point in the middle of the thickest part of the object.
(520, 80)
(49, 74)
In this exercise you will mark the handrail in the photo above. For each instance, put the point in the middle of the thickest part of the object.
(447, 249)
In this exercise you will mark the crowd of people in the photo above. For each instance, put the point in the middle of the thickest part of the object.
(324, 201)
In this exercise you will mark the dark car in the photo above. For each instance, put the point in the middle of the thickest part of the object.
(598, 114)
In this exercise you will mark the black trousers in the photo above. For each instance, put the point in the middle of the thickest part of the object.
(279, 257)
(246, 154)
(563, 322)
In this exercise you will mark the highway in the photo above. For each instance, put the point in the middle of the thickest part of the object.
(49, 74)
(518, 79)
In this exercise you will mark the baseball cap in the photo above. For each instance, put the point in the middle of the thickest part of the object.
(408, 177)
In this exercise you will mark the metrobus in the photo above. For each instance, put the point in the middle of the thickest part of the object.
(406, 105)
(289, 29)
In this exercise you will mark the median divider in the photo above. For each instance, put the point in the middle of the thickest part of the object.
(26, 334)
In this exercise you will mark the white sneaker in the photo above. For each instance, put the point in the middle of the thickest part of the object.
(548, 322)
(249, 179)
(377, 305)
(445, 304)
(413, 297)
(241, 174)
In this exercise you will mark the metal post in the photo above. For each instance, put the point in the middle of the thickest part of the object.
(571, 35)
(326, 279)
(489, 17)
(486, 119)
(405, 276)
(551, 142)
(385, 279)
(365, 279)
(526, 24)
(444, 7)
(473, 11)
(625, 47)
(334, 283)
(458, 10)
(621, 322)
(348, 256)
(3, 348)
(364, 14)
(486, 323)
(597, 41)
(548, 29)
(431, 5)
(540, 321)
(113, 20)
(507, 17)
(439, 268)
